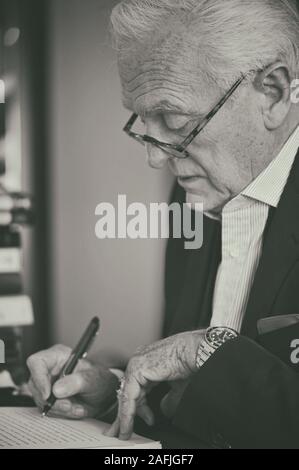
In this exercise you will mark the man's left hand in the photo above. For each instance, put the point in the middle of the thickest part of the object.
(169, 360)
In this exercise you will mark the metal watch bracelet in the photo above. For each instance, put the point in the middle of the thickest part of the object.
(215, 337)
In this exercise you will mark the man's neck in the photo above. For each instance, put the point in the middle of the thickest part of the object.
(278, 146)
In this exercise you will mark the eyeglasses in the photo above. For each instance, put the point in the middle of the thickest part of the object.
(179, 150)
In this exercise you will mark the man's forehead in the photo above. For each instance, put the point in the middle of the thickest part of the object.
(160, 58)
(160, 84)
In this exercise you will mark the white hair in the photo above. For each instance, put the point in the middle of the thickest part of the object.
(232, 36)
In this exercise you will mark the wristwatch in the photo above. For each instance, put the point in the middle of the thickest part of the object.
(214, 338)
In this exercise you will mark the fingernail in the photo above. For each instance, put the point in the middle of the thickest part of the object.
(79, 411)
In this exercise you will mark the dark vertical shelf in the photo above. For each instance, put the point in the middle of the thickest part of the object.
(34, 67)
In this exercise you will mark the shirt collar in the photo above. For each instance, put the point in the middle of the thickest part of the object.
(269, 185)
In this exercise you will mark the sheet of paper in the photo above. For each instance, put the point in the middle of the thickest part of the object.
(24, 428)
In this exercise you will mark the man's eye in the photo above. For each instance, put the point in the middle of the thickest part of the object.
(175, 123)
(187, 128)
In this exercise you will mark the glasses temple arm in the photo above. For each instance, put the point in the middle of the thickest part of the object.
(211, 114)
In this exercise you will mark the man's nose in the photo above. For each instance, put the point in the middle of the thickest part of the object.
(156, 157)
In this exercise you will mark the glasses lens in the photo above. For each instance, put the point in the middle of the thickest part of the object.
(138, 132)
(139, 127)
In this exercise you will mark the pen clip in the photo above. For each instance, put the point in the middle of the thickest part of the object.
(89, 346)
(74, 354)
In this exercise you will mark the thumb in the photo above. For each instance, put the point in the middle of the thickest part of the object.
(70, 386)
(145, 413)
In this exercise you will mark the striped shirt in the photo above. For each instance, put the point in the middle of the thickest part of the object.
(244, 220)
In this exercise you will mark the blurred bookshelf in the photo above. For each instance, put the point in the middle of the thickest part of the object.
(24, 247)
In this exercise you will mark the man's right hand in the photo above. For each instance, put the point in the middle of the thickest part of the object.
(88, 392)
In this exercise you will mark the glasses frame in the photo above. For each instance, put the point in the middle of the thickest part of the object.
(179, 150)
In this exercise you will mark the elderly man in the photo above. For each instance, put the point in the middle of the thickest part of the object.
(213, 83)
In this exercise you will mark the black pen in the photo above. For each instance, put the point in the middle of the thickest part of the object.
(79, 352)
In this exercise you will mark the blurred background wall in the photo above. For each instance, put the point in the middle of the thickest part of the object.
(91, 161)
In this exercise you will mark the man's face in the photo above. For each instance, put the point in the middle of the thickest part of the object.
(171, 98)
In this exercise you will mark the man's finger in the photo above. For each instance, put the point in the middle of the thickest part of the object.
(40, 376)
(37, 396)
(71, 385)
(128, 406)
(146, 414)
(69, 409)
(45, 365)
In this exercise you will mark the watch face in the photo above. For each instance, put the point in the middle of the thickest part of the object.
(218, 336)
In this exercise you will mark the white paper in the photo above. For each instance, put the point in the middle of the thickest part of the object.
(24, 428)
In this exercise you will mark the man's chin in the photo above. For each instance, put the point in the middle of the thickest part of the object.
(208, 205)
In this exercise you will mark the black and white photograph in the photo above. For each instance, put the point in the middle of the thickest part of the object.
(149, 227)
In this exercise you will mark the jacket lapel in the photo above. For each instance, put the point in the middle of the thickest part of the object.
(280, 253)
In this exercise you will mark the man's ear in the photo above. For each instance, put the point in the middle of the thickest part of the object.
(275, 84)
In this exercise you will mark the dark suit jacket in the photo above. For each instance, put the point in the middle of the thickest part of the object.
(245, 396)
